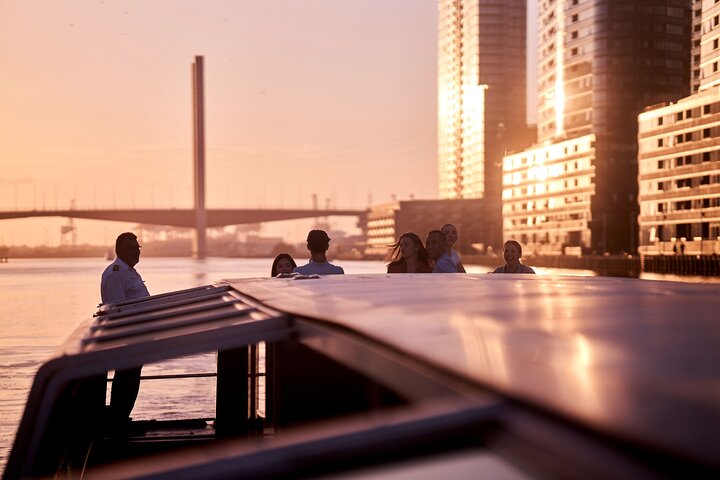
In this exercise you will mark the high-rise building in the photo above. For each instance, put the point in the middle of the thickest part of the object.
(600, 62)
(679, 154)
(695, 45)
(481, 98)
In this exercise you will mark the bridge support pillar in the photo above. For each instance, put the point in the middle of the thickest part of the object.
(199, 246)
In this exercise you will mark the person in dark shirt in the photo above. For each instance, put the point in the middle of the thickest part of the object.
(408, 255)
(512, 253)
(283, 263)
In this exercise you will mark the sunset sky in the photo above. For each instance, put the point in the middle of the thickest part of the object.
(334, 97)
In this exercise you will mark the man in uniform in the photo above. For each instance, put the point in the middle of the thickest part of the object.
(120, 281)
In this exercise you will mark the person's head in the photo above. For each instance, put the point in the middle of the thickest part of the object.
(318, 241)
(127, 248)
(450, 233)
(283, 263)
(408, 245)
(512, 252)
(435, 244)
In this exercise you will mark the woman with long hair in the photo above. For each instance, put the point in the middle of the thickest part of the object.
(408, 255)
(283, 263)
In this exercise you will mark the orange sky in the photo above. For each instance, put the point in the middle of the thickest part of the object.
(334, 97)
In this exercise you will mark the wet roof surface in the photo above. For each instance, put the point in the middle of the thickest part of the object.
(629, 357)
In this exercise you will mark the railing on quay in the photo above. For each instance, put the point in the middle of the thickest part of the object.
(617, 265)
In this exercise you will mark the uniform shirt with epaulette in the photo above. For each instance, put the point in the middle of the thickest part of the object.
(121, 282)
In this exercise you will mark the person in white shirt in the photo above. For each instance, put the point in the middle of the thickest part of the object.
(119, 282)
(452, 235)
(436, 246)
(318, 243)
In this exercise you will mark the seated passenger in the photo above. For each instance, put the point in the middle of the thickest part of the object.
(512, 253)
(451, 234)
(408, 255)
(436, 246)
(318, 242)
(283, 263)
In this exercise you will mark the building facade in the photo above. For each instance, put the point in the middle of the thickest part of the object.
(386, 222)
(481, 97)
(679, 155)
(600, 62)
(547, 196)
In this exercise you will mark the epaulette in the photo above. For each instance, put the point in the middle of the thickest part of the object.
(116, 268)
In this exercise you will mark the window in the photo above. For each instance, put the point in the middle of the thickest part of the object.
(688, 136)
(660, 121)
(660, 142)
(679, 116)
(574, 34)
(715, 66)
(706, 133)
(715, 44)
(575, 17)
(706, 109)
(661, 164)
(706, 157)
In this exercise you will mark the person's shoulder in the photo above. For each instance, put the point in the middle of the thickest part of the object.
(302, 269)
(527, 269)
(396, 267)
(455, 256)
(115, 267)
(445, 264)
(335, 268)
(500, 269)
(446, 258)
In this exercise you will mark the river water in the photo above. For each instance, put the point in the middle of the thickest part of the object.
(43, 300)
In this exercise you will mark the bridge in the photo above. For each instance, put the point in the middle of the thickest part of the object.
(200, 217)
(184, 218)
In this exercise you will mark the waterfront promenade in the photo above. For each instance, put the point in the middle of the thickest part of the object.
(618, 266)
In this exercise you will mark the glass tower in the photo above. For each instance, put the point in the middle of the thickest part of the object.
(481, 97)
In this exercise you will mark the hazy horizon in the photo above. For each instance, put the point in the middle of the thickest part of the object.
(326, 97)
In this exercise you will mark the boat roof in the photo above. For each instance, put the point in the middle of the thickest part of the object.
(632, 358)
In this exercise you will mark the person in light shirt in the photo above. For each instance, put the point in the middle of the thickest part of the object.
(451, 234)
(318, 243)
(436, 246)
(120, 281)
